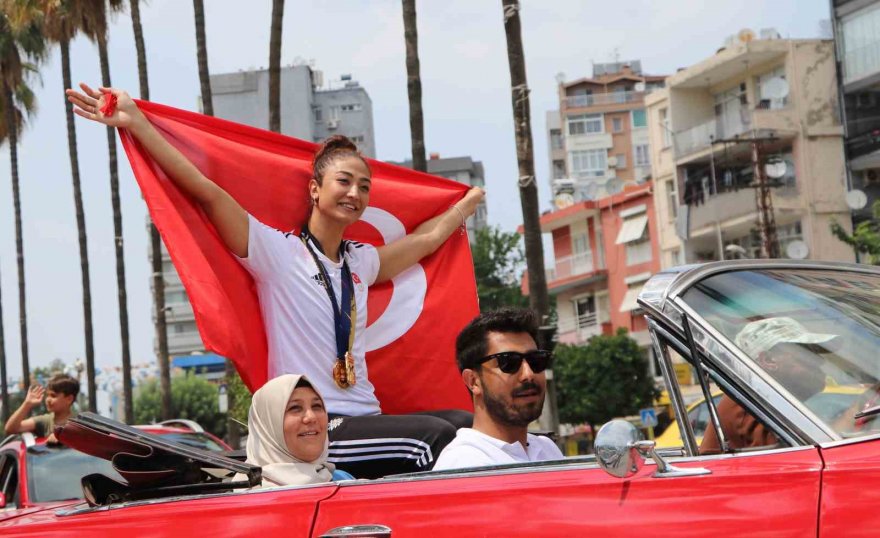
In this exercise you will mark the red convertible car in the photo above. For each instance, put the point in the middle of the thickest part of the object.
(771, 335)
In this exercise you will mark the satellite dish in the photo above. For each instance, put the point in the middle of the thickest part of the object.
(590, 191)
(563, 200)
(856, 199)
(745, 35)
(613, 186)
(775, 89)
(775, 169)
(736, 250)
(640, 86)
(797, 250)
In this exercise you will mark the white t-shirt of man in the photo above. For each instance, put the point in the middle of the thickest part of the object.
(472, 448)
(298, 315)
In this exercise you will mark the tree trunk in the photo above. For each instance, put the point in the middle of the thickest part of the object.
(81, 228)
(19, 241)
(275, 66)
(528, 190)
(161, 327)
(122, 293)
(202, 52)
(414, 86)
(140, 48)
(4, 390)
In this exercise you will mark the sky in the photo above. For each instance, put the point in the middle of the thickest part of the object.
(466, 101)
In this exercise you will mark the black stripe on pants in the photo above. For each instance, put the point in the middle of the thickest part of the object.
(373, 446)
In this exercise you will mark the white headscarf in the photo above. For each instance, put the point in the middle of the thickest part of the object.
(266, 446)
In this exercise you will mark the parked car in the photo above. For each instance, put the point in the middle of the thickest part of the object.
(34, 473)
(817, 479)
(697, 415)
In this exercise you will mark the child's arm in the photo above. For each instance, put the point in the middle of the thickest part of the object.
(18, 422)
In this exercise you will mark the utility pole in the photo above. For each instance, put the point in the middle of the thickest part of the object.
(764, 203)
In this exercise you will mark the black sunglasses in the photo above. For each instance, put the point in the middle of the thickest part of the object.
(510, 362)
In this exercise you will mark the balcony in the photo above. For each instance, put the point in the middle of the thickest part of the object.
(862, 62)
(568, 266)
(604, 99)
(578, 330)
(701, 136)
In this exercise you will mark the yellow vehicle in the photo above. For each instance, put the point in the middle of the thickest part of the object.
(698, 416)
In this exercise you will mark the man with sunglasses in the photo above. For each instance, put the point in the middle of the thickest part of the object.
(503, 368)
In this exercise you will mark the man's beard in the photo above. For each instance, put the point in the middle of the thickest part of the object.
(513, 415)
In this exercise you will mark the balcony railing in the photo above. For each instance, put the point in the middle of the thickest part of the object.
(609, 98)
(701, 136)
(579, 330)
(577, 264)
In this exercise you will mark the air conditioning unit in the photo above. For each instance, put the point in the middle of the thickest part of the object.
(612, 162)
(332, 124)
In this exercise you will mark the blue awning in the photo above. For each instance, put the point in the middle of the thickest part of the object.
(198, 361)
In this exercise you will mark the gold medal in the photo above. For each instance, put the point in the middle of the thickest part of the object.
(349, 369)
(340, 374)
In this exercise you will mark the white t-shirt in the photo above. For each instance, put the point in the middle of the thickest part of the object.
(472, 448)
(298, 314)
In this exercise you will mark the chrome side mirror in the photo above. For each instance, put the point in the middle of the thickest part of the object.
(621, 452)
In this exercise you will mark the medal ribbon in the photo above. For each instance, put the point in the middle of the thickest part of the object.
(344, 322)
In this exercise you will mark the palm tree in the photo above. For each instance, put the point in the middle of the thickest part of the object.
(64, 19)
(155, 241)
(414, 86)
(21, 42)
(528, 190)
(4, 390)
(202, 54)
(275, 66)
(98, 33)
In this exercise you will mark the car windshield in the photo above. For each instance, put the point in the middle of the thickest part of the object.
(815, 332)
(195, 440)
(55, 473)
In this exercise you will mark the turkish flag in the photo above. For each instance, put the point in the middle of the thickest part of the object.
(413, 320)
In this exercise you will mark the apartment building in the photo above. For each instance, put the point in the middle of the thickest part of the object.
(856, 25)
(759, 112)
(464, 170)
(604, 252)
(309, 111)
(598, 138)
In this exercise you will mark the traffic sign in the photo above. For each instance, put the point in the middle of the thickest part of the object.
(649, 417)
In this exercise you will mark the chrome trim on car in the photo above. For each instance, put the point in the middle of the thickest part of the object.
(370, 530)
(675, 396)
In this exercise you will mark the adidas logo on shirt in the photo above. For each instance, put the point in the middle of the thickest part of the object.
(319, 279)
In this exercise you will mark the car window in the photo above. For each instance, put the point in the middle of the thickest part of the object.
(815, 332)
(55, 473)
(9, 478)
(699, 417)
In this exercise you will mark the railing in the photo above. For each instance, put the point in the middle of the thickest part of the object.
(861, 62)
(577, 264)
(701, 136)
(579, 330)
(608, 98)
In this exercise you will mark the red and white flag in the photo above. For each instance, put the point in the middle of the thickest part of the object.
(413, 320)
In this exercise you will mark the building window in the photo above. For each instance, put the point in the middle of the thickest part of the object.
(585, 311)
(589, 163)
(558, 169)
(634, 234)
(585, 124)
(185, 327)
(664, 128)
(861, 43)
(357, 139)
(333, 114)
(319, 114)
(353, 107)
(639, 118)
(555, 139)
(176, 297)
(616, 125)
(672, 199)
(767, 93)
(620, 161)
(643, 158)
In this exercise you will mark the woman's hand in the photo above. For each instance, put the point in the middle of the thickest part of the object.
(89, 103)
(473, 197)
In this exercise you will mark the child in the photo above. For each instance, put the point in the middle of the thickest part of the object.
(60, 392)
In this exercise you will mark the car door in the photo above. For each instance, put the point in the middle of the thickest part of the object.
(850, 495)
(9, 483)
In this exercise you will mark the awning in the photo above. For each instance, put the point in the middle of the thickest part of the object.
(865, 162)
(632, 229)
(629, 300)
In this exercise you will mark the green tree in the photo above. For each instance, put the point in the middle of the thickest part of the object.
(498, 265)
(607, 378)
(865, 239)
(240, 399)
(192, 397)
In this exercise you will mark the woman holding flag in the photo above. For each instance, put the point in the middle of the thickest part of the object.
(312, 287)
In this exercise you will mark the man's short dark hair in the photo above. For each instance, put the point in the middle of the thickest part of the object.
(472, 341)
(63, 384)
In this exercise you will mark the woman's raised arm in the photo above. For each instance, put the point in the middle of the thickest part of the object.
(227, 216)
(424, 240)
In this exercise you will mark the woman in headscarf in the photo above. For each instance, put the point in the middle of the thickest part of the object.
(287, 434)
